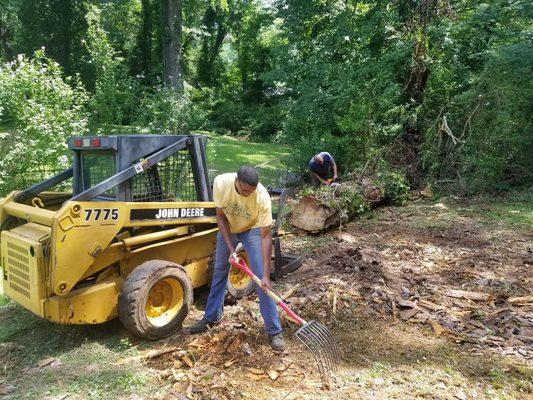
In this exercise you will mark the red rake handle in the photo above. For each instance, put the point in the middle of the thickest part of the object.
(241, 264)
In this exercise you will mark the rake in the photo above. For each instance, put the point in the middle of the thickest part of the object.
(315, 336)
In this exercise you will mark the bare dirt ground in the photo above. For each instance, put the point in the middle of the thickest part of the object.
(385, 284)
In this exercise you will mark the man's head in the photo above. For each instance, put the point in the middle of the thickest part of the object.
(319, 159)
(247, 180)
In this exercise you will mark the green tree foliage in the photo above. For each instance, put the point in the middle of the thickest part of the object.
(42, 110)
(215, 25)
(439, 89)
(60, 26)
(392, 78)
(9, 25)
(115, 92)
(247, 103)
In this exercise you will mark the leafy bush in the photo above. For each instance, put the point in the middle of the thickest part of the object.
(395, 185)
(42, 109)
(165, 111)
(498, 142)
(258, 122)
(491, 124)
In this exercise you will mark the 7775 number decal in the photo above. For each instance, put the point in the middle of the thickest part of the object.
(101, 214)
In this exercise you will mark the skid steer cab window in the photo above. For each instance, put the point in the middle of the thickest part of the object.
(97, 166)
(171, 179)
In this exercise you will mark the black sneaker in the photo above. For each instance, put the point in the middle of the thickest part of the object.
(277, 342)
(201, 326)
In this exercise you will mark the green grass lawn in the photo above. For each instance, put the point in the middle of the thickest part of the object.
(226, 154)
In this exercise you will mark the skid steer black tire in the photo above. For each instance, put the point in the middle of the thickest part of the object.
(133, 297)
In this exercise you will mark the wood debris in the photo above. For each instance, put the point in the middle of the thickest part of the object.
(437, 328)
(521, 300)
(476, 296)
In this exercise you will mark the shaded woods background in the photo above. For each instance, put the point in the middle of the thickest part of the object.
(441, 90)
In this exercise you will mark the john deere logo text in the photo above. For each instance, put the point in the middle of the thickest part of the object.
(164, 213)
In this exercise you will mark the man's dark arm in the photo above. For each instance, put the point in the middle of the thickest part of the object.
(266, 246)
(223, 226)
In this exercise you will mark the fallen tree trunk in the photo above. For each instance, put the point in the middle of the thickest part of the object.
(328, 206)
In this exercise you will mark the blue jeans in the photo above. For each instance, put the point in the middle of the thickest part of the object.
(251, 240)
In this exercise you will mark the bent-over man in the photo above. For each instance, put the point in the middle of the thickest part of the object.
(244, 214)
(323, 168)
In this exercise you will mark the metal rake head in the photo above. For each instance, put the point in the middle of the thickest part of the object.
(321, 343)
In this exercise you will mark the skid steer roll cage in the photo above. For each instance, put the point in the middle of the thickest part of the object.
(133, 154)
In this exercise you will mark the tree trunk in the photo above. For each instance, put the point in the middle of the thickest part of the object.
(144, 41)
(6, 49)
(172, 21)
(312, 215)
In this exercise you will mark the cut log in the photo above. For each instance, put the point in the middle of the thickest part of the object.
(311, 216)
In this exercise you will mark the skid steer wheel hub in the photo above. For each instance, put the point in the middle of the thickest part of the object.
(239, 279)
(239, 284)
(164, 301)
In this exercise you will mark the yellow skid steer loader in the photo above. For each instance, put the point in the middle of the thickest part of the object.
(129, 231)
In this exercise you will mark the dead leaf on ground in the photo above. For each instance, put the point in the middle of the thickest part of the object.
(234, 345)
(200, 341)
(230, 362)
(256, 371)
(246, 349)
(476, 296)
(6, 389)
(92, 368)
(46, 361)
(58, 397)
(284, 366)
(524, 300)
(187, 360)
(408, 314)
(346, 237)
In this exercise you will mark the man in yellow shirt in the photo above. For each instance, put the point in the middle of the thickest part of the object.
(244, 214)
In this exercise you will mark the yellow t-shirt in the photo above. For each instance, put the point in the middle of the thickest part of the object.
(243, 213)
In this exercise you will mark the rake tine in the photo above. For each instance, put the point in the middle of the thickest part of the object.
(325, 360)
(314, 348)
(322, 345)
(328, 348)
(331, 342)
(320, 351)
